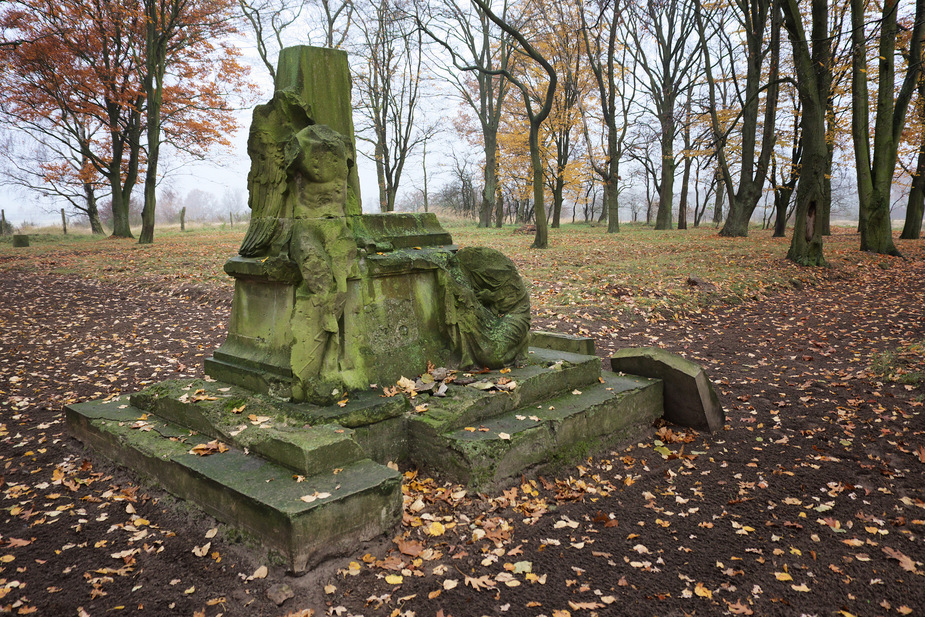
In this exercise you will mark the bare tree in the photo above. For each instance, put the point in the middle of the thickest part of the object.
(754, 17)
(269, 19)
(478, 49)
(666, 27)
(613, 76)
(390, 87)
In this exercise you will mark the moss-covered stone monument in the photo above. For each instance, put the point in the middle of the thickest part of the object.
(356, 341)
(328, 299)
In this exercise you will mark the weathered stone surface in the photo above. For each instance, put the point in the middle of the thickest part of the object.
(328, 300)
(562, 342)
(359, 502)
(487, 308)
(279, 593)
(690, 399)
(563, 429)
(20, 240)
(387, 232)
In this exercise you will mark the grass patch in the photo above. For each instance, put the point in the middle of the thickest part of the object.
(637, 272)
(905, 365)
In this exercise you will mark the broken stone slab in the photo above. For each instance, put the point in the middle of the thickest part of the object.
(690, 399)
(562, 342)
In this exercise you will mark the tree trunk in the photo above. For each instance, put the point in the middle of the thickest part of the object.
(718, 200)
(557, 198)
(666, 184)
(806, 244)
(120, 222)
(612, 199)
(829, 161)
(499, 204)
(754, 173)
(915, 207)
(782, 195)
(490, 188)
(875, 168)
(156, 36)
(813, 71)
(93, 213)
(682, 202)
(541, 240)
(380, 175)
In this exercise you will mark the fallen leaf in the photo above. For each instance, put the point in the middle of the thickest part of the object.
(905, 562)
(202, 551)
(738, 608)
(205, 449)
(479, 583)
(704, 592)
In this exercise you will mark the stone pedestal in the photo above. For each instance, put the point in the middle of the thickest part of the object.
(391, 323)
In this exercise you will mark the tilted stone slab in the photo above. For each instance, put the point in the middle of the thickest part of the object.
(690, 399)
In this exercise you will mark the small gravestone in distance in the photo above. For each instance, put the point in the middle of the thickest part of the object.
(690, 399)
(20, 240)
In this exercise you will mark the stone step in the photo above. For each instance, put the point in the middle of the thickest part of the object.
(560, 428)
(343, 505)
(550, 373)
(251, 422)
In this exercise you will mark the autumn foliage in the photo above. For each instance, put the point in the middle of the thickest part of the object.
(73, 79)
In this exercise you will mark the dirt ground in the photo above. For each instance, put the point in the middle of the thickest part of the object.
(810, 502)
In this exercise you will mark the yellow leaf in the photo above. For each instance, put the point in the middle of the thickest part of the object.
(260, 572)
(394, 579)
(702, 591)
(7, 558)
(783, 576)
(802, 588)
(436, 529)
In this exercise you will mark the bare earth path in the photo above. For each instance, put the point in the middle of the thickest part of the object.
(812, 500)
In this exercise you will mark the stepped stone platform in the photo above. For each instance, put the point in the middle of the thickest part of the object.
(310, 481)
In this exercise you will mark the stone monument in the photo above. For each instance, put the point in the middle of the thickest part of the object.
(327, 299)
(356, 341)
